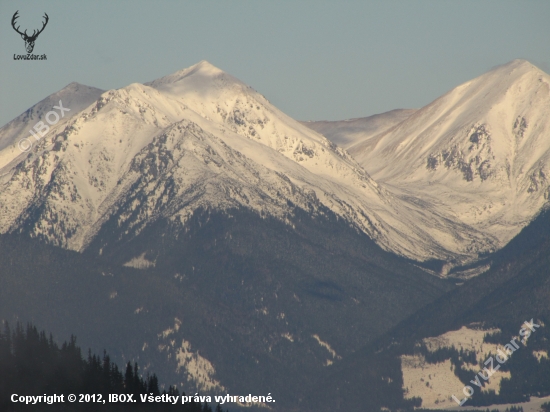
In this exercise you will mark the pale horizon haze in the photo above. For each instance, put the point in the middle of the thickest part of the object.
(315, 60)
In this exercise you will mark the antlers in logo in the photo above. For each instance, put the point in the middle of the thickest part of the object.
(29, 40)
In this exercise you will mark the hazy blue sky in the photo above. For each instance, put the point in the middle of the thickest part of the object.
(313, 59)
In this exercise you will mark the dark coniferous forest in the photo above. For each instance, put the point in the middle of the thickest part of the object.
(32, 363)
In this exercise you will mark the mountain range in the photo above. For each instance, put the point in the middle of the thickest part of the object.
(189, 224)
(480, 154)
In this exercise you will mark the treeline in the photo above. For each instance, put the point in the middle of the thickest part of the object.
(31, 363)
(457, 356)
(529, 376)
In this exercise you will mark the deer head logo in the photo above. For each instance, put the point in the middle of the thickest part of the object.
(29, 40)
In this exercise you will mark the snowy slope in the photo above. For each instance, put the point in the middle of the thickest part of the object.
(398, 225)
(200, 138)
(74, 97)
(346, 133)
(480, 154)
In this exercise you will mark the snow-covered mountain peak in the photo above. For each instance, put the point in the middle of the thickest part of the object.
(75, 87)
(482, 150)
(74, 96)
(200, 138)
(516, 65)
(203, 79)
(496, 100)
(226, 101)
(201, 69)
